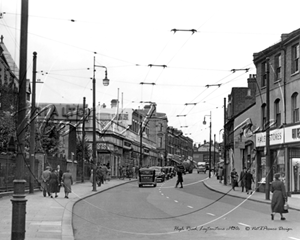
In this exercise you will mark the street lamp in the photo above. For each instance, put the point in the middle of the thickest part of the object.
(204, 122)
(105, 83)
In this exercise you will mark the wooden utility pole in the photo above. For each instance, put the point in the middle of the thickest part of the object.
(18, 200)
(32, 127)
(224, 142)
(141, 141)
(83, 139)
(268, 168)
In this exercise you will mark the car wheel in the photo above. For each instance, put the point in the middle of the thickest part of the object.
(140, 185)
(154, 185)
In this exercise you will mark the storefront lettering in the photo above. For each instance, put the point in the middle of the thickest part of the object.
(296, 133)
(273, 137)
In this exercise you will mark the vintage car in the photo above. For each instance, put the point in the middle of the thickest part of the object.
(159, 173)
(201, 167)
(167, 172)
(147, 177)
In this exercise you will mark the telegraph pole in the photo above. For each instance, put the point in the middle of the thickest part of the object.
(32, 127)
(209, 173)
(268, 168)
(83, 140)
(224, 142)
(18, 199)
(141, 142)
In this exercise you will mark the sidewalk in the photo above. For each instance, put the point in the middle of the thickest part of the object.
(214, 185)
(50, 218)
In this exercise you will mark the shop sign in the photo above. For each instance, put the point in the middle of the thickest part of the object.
(276, 137)
(127, 145)
(105, 146)
(292, 134)
(146, 151)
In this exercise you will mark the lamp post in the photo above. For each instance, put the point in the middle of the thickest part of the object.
(105, 83)
(204, 122)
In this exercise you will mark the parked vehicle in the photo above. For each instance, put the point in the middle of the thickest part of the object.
(201, 167)
(167, 172)
(173, 171)
(147, 177)
(159, 173)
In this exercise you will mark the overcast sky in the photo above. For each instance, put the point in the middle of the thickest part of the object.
(128, 35)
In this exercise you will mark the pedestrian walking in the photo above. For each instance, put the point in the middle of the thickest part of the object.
(279, 197)
(59, 174)
(220, 174)
(180, 170)
(53, 183)
(137, 171)
(249, 181)
(123, 172)
(104, 173)
(99, 176)
(67, 182)
(243, 178)
(128, 172)
(108, 177)
(92, 176)
(254, 180)
(133, 171)
(120, 171)
(45, 181)
(234, 178)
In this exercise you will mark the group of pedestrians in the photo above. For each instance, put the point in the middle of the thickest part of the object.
(277, 188)
(103, 174)
(246, 179)
(128, 172)
(54, 179)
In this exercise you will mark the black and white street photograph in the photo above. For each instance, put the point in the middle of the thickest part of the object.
(139, 119)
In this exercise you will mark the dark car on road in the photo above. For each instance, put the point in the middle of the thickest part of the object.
(147, 177)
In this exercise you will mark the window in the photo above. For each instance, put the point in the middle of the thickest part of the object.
(264, 72)
(278, 67)
(295, 58)
(264, 115)
(277, 112)
(160, 140)
(295, 108)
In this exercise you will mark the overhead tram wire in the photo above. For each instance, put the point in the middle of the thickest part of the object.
(77, 47)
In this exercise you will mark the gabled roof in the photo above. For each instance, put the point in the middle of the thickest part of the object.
(9, 60)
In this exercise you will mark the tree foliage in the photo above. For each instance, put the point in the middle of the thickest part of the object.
(87, 149)
(7, 130)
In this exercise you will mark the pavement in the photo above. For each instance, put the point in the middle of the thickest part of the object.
(51, 218)
(214, 185)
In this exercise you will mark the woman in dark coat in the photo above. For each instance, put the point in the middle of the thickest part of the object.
(180, 170)
(53, 183)
(279, 197)
(67, 182)
(248, 181)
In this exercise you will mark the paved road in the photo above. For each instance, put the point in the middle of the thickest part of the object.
(165, 212)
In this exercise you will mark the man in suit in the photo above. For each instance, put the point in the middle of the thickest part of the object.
(243, 179)
(45, 181)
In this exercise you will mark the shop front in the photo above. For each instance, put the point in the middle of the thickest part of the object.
(284, 158)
